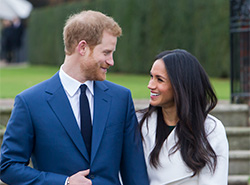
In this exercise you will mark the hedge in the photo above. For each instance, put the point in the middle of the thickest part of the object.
(201, 27)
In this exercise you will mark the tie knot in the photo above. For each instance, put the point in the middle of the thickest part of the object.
(83, 88)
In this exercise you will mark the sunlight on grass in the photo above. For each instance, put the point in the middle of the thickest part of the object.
(13, 80)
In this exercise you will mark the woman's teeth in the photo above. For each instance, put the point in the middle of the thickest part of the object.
(153, 94)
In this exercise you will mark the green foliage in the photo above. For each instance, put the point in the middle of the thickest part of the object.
(149, 27)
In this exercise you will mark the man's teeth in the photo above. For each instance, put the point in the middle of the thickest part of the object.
(154, 94)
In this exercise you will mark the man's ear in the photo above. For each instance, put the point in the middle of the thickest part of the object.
(81, 47)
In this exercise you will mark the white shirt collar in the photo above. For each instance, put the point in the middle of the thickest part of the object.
(71, 85)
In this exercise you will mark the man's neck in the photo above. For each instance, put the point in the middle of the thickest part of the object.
(72, 68)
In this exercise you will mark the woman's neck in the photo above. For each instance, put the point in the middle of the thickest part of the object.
(170, 116)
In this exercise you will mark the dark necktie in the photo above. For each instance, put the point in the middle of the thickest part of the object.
(86, 126)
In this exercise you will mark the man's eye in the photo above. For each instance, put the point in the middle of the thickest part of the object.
(106, 52)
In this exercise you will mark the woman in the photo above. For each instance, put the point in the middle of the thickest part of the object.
(183, 144)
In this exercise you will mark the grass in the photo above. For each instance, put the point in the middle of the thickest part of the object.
(13, 80)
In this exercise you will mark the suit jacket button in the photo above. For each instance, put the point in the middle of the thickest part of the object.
(91, 176)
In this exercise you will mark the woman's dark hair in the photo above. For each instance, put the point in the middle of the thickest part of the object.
(194, 98)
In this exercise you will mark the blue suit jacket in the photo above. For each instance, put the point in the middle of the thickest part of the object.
(43, 127)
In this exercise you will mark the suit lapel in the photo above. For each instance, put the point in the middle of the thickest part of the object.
(102, 102)
(59, 103)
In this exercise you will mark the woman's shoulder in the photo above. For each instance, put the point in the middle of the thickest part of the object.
(214, 126)
(212, 121)
(141, 113)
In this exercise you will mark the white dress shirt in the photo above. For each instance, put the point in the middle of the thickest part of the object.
(72, 89)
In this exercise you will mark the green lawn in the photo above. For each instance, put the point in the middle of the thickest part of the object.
(13, 80)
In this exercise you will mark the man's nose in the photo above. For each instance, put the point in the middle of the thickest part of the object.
(110, 61)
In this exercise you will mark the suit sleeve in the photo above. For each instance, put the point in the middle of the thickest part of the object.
(17, 148)
(133, 168)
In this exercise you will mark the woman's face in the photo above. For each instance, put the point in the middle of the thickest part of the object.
(161, 91)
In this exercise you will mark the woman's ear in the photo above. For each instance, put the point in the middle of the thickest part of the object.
(81, 47)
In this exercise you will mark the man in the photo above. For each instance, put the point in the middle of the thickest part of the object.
(46, 122)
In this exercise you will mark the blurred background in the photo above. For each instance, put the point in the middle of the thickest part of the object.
(149, 27)
(215, 31)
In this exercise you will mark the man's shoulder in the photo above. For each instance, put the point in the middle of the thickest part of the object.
(40, 87)
(114, 90)
(113, 85)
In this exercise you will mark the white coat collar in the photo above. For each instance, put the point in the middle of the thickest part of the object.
(172, 168)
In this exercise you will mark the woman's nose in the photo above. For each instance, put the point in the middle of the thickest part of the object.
(151, 84)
